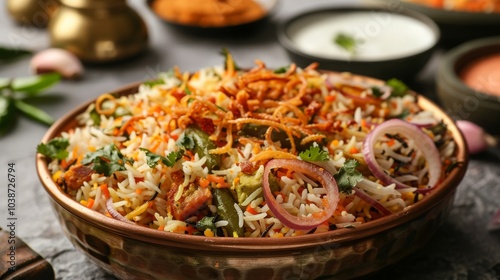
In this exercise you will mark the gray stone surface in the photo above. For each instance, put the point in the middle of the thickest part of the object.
(462, 248)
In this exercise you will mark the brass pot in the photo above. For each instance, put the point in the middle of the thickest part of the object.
(32, 12)
(98, 31)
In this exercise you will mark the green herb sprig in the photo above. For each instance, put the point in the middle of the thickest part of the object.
(314, 153)
(9, 54)
(348, 177)
(54, 149)
(169, 160)
(347, 42)
(107, 160)
(14, 93)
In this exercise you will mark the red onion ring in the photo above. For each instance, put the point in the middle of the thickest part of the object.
(112, 211)
(422, 142)
(375, 204)
(321, 175)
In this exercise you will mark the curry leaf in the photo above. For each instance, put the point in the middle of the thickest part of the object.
(4, 83)
(33, 112)
(35, 84)
(7, 114)
(10, 54)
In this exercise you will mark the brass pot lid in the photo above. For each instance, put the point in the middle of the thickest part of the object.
(93, 4)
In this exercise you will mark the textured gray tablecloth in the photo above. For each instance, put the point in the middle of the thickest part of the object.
(462, 248)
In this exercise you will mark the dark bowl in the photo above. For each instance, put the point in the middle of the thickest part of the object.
(242, 29)
(404, 67)
(133, 252)
(459, 26)
(461, 101)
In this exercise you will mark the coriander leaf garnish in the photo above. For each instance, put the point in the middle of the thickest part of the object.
(377, 92)
(348, 177)
(314, 153)
(206, 223)
(153, 159)
(347, 42)
(398, 87)
(106, 160)
(229, 60)
(12, 53)
(281, 70)
(153, 83)
(403, 114)
(54, 149)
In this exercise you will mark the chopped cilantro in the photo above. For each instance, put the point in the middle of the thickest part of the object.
(54, 149)
(106, 160)
(281, 70)
(314, 153)
(187, 91)
(377, 92)
(206, 223)
(405, 113)
(187, 142)
(439, 129)
(228, 56)
(169, 160)
(153, 83)
(348, 176)
(398, 87)
(347, 42)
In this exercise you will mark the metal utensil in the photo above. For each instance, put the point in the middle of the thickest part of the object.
(98, 31)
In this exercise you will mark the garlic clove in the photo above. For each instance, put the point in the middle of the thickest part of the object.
(494, 223)
(57, 60)
(476, 138)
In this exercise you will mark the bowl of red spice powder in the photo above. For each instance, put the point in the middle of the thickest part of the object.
(468, 82)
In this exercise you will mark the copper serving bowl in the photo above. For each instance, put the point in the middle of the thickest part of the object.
(132, 252)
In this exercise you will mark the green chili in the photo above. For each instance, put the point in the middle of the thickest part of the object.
(33, 112)
(198, 141)
(225, 203)
(7, 114)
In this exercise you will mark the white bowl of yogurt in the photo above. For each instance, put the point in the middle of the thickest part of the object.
(376, 40)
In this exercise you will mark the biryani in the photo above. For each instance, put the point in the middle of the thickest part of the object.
(225, 152)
